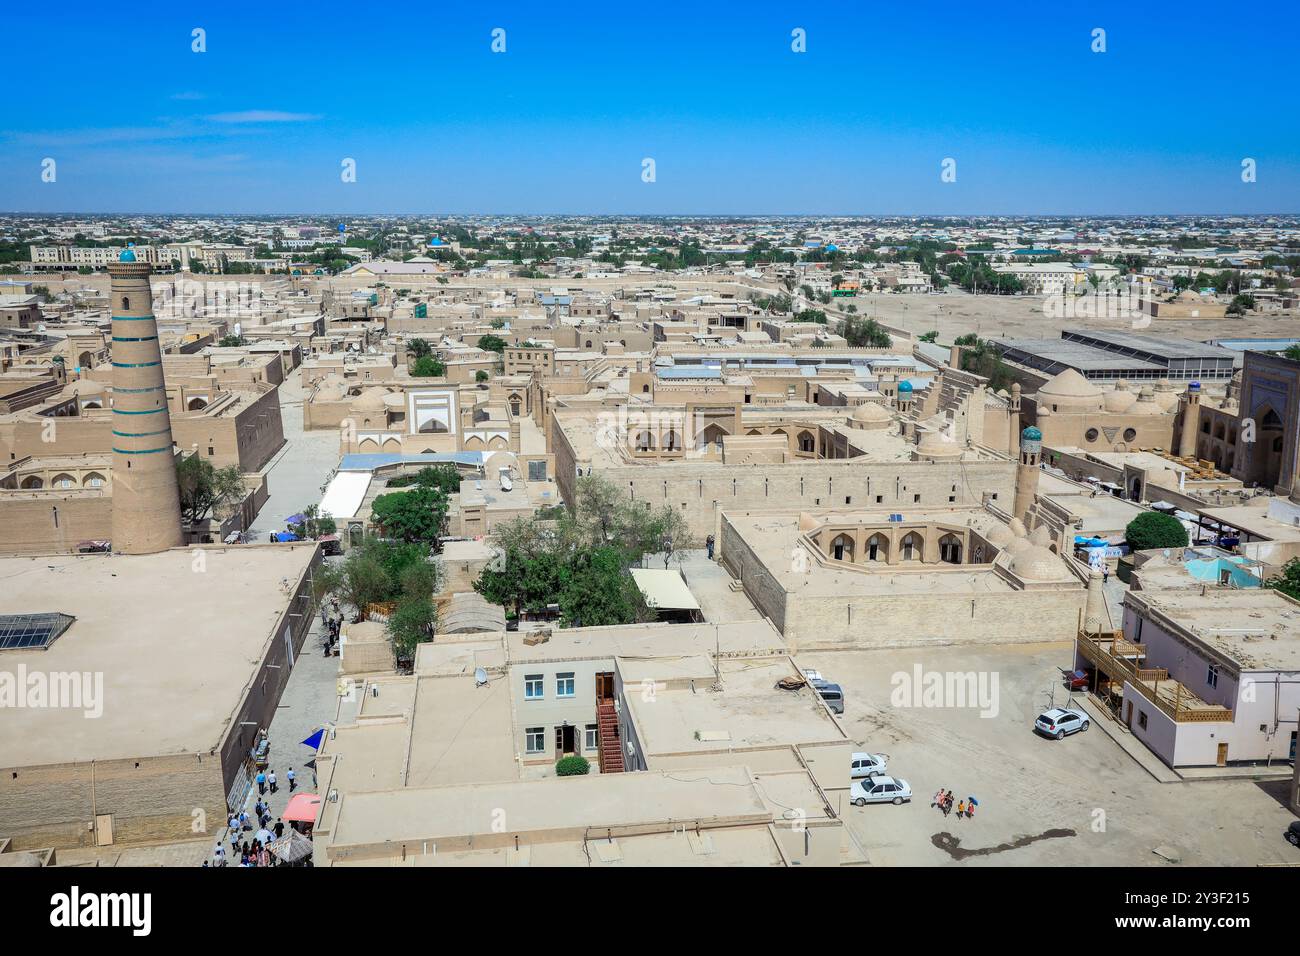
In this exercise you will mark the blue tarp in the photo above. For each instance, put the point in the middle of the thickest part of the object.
(314, 740)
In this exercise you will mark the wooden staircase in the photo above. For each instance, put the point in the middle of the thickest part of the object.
(611, 749)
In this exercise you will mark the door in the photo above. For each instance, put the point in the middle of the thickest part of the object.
(1128, 714)
(1223, 755)
(604, 686)
(104, 829)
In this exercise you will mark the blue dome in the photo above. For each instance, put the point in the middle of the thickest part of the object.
(1031, 434)
(128, 254)
(904, 387)
(1195, 386)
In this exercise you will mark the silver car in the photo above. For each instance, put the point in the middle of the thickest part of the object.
(1059, 722)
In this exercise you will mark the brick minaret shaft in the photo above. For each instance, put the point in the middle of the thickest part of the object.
(146, 499)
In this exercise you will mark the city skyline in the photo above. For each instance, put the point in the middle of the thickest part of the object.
(737, 123)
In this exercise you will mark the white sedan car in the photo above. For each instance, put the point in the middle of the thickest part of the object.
(867, 765)
(1059, 722)
(879, 790)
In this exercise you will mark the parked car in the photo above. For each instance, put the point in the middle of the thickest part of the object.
(1076, 679)
(833, 694)
(879, 790)
(1059, 722)
(1293, 833)
(866, 765)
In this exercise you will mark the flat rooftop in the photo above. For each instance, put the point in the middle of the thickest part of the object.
(177, 649)
(1259, 628)
(556, 805)
(749, 711)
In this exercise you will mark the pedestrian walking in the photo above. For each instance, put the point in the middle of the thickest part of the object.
(938, 798)
(261, 782)
(270, 779)
(1105, 573)
(708, 544)
(243, 820)
(220, 854)
(292, 778)
(961, 809)
(279, 828)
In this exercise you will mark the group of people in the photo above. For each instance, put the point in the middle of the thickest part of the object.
(254, 851)
(943, 799)
(266, 781)
(331, 617)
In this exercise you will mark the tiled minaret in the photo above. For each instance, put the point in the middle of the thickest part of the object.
(146, 498)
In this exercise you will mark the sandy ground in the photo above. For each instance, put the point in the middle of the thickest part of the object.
(1081, 801)
(993, 316)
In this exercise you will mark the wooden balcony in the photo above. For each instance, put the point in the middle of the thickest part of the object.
(1121, 660)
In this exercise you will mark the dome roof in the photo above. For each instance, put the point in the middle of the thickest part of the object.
(128, 254)
(1036, 563)
(999, 536)
(84, 387)
(371, 400)
(934, 445)
(1120, 400)
(1070, 385)
(904, 387)
(868, 414)
(1032, 434)
(1145, 404)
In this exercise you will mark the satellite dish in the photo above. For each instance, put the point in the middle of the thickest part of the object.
(480, 677)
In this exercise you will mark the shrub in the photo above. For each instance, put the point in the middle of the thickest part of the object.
(1155, 530)
(572, 766)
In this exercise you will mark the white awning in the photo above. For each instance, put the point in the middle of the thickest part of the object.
(344, 495)
(665, 590)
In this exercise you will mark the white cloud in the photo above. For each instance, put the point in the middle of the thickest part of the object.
(263, 116)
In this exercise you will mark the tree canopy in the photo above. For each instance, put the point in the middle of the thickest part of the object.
(1151, 529)
(206, 488)
(417, 515)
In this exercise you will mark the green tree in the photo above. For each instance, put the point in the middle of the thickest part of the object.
(600, 591)
(1288, 580)
(492, 343)
(427, 366)
(313, 524)
(231, 341)
(415, 515)
(412, 622)
(481, 376)
(1292, 352)
(930, 337)
(418, 348)
(359, 581)
(1151, 529)
(206, 488)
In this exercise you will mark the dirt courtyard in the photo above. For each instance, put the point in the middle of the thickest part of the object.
(1081, 801)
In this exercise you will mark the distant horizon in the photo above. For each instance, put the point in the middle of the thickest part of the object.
(84, 214)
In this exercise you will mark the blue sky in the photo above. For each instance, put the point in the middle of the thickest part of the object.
(736, 122)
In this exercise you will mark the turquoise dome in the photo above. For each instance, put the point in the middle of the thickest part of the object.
(1031, 434)
(904, 387)
(128, 255)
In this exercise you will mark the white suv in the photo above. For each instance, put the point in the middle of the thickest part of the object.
(1059, 722)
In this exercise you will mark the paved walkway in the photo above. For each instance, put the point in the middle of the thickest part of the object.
(301, 468)
(711, 585)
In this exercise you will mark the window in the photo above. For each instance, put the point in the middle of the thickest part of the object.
(533, 687)
(1091, 434)
(564, 685)
(1142, 719)
(591, 740)
(534, 740)
(1212, 675)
